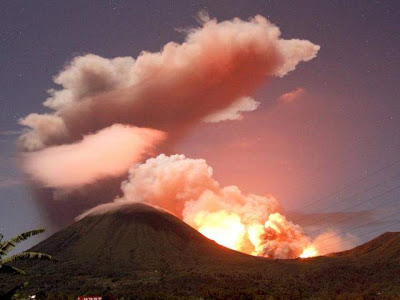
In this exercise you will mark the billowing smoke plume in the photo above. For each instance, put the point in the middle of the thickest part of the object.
(125, 107)
(171, 90)
(107, 153)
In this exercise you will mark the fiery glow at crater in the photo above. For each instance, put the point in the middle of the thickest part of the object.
(229, 230)
(224, 228)
(309, 252)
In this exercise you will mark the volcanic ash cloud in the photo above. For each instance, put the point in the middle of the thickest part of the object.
(217, 68)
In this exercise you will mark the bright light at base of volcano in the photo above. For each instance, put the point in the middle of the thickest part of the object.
(228, 229)
(224, 228)
(309, 252)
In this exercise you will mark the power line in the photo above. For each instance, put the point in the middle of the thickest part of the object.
(349, 185)
(363, 234)
(358, 227)
(342, 162)
(352, 196)
(361, 203)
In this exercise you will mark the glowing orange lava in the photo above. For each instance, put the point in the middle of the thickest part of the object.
(230, 230)
(309, 252)
(224, 228)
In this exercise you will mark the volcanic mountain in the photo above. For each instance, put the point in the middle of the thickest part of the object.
(137, 251)
(135, 236)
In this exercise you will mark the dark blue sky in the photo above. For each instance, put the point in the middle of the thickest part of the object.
(349, 127)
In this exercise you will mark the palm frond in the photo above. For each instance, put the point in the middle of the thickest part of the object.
(10, 270)
(7, 246)
(27, 255)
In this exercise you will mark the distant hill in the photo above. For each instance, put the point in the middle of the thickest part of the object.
(384, 247)
(141, 252)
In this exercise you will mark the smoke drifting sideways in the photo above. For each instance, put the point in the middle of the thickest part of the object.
(128, 110)
(107, 153)
(171, 90)
(244, 222)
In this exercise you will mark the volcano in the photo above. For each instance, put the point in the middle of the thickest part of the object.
(135, 236)
(140, 252)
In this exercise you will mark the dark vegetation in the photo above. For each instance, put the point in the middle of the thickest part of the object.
(6, 260)
(139, 252)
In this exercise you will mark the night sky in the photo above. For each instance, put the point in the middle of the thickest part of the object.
(338, 133)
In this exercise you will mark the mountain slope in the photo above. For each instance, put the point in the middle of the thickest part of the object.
(142, 252)
(132, 235)
(384, 247)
